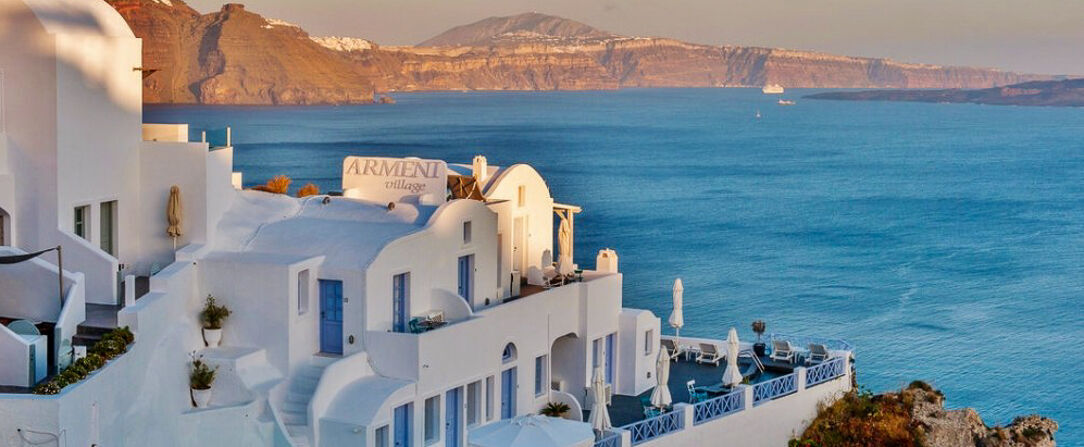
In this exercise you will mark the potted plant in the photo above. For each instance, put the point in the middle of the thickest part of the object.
(212, 317)
(759, 327)
(555, 409)
(200, 380)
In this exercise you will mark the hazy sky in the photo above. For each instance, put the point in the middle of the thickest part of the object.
(1043, 36)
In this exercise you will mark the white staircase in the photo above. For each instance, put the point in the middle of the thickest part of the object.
(295, 409)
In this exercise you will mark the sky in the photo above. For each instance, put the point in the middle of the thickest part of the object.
(1037, 36)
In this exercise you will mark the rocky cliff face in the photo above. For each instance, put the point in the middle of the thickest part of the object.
(917, 416)
(237, 57)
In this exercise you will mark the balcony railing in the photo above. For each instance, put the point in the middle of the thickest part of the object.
(718, 407)
(654, 427)
(775, 388)
(610, 439)
(828, 370)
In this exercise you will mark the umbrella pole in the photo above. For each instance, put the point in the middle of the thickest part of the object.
(677, 341)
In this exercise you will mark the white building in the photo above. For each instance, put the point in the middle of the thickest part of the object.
(387, 316)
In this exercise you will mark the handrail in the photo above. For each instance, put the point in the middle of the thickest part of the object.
(718, 407)
(825, 371)
(803, 341)
(653, 427)
(753, 355)
(775, 388)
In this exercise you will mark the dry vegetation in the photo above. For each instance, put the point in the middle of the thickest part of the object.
(308, 190)
(279, 184)
(863, 419)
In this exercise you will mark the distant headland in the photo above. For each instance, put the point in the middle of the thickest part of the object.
(235, 56)
(1064, 93)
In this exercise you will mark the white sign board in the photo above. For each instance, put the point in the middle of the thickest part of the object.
(383, 179)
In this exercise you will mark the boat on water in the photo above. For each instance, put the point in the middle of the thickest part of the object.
(786, 102)
(758, 114)
(772, 89)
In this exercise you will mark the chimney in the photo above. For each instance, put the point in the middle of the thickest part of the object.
(481, 169)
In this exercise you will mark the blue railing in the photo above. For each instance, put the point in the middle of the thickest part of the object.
(610, 439)
(654, 427)
(718, 407)
(828, 370)
(803, 341)
(775, 388)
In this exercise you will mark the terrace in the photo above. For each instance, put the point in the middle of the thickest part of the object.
(778, 380)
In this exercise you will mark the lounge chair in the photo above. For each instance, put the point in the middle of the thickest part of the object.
(695, 394)
(817, 354)
(671, 347)
(782, 351)
(709, 353)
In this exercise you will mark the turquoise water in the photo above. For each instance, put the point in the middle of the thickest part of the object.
(945, 241)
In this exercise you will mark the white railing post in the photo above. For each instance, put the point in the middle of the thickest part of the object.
(626, 438)
(687, 414)
(800, 373)
(129, 290)
(748, 396)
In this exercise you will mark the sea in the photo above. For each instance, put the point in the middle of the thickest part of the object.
(944, 241)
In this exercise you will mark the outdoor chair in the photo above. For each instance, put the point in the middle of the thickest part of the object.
(695, 394)
(782, 351)
(817, 354)
(671, 347)
(709, 353)
(649, 410)
(415, 327)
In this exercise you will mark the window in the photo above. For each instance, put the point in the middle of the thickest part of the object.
(381, 437)
(400, 295)
(82, 213)
(466, 232)
(474, 401)
(610, 351)
(596, 353)
(521, 196)
(509, 353)
(432, 420)
(540, 375)
(649, 338)
(489, 397)
(108, 233)
(303, 292)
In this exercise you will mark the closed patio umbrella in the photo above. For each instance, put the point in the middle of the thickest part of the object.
(564, 243)
(732, 375)
(677, 316)
(174, 213)
(660, 397)
(600, 415)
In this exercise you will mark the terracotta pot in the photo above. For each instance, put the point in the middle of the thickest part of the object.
(201, 397)
(212, 337)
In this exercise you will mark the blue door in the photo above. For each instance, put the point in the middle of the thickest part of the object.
(401, 424)
(451, 418)
(508, 393)
(331, 316)
(610, 359)
(466, 274)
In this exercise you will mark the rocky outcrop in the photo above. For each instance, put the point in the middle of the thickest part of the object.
(1065, 93)
(234, 56)
(917, 416)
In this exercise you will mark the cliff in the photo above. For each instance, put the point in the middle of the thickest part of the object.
(1065, 93)
(234, 56)
(916, 416)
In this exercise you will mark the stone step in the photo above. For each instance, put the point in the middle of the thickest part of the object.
(298, 398)
(297, 407)
(295, 417)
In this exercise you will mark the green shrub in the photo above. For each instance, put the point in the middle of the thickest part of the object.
(213, 315)
(112, 344)
(555, 409)
(202, 375)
